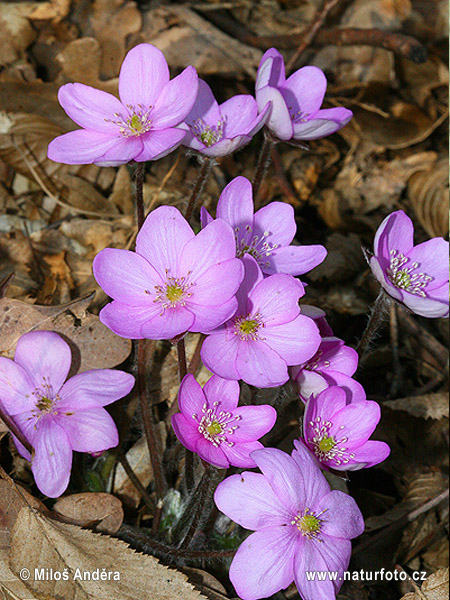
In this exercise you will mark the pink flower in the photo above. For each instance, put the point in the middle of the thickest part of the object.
(175, 282)
(300, 526)
(296, 101)
(56, 417)
(333, 364)
(266, 334)
(266, 234)
(338, 432)
(215, 130)
(416, 276)
(140, 126)
(212, 425)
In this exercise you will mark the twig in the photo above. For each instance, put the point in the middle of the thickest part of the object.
(136, 482)
(419, 592)
(4, 285)
(205, 170)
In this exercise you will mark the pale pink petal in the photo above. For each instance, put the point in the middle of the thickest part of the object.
(126, 149)
(382, 278)
(294, 260)
(46, 357)
(326, 404)
(249, 500)
(310, 382)
(235, 205)
(314, 483)
(239, 114)
(190, 397)
(52, 460)
(396, 232)
(159, 143)
(252, 277)
(168, 224)
(276, 299)
(336, 553)
(126, 320)
(16, 387)
(218, 284)
(239, 454)
(143, 75)
(91, 430)
(356, 422)
(314, 129)
(426, 307)
(224, 391)
(91, 108)
(207, 317)
(368, 455)
(304, 91)
(169, 324)
(295, 342)
(339, 114)
(212, 454)
(186, 431)
(175, 100)
(259, 365)
(205, 109)
(353, 389)
(85, 147)
(93, 389)
(205, 217)
(271, 69)
(126, 276)
(432, 259)
(219, 353)
(309, 558)
(27, 425)
(341, 515)
(263, 564)
(277, 220)
(336, 356)
(224, 147)
(255, 422)
(279, 122)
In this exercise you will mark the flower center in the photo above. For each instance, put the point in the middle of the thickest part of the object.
(207, 134)
(247, 327)
(44, 404)
(407, 278)
(299, 116)
(137, 123)
(255, 245)
(174, 292)
(326, 447)
(215, 425)
(308, 523)
(316, 362)
(44, 398)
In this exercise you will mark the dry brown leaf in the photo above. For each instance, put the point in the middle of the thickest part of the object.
(38, 543)
(54, 11)
(435, 587)
(429, 406)
(99, 510)
(16, 33)
(80, 61)
(82, 194)
(93, 345)
(121, 192)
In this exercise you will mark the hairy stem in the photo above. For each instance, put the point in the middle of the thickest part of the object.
(202, 496)
(263, 163)
(136, 482)
(376, 318)
(205, 170)
(139, 182)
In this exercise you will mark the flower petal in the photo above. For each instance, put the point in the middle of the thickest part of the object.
(271, 69)
(295, 342)
(309, 382)
(168, 224)
(159, 143)
(207, 317)
(353, 389)
(255, 422)
(252, 277)
(356, 422)
(205, 108)
(93, 389)
(259, 365)
(169, 324)
(235, 205)
(336, 356)
(368, 455)
(175, 100)
(315, 129)
(219, 354)
(224, 391)
(205, 217)
(91, 108)
(294, 260)
(276, 299)
(341, 515)
(126, 320)
(249, 500)
(395, 233)
(304, 91)
(339, 114)
(143, 74)
(315, 484)
(279, 122)
(432, 258)
(126, 276)
(52, 459)
(263, 564)
(212, 454)
(239, 454)
(239, 114)
(381, 276)
(186, 431)
(190, 397)
(218, 284)
(426, 307)
(277, 220)
(222, 148)
(16, 387)
(45, 356)
(91, 430)
(326, 404)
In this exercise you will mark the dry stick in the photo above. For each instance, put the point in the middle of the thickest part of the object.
(207, 165)
(375, 320)
(10, 424)
(263, 163)
(309, 35)
(136, 482)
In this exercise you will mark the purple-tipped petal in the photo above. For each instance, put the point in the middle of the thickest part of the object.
(235, 205)
(91, 108)
(263, 564)
(175, 100)
(225, 391)
(208, 317)
(168, 224)
(159, 143)
(143, 75)
(190, 397)
(259, 365)
(126, 276)
(304, 91)
(279, 122)
(169, 324)
(46, 357)
(294, 260)
(271, 69)
(127, 321)
(249, 500)
(16, 387)
(93, 389)
(277, 219)
(396, 232)
(212, 454)
(90, 430)
(219, 354)
(186, 431)
(341, 515)
(296, 341)
(205, 217)
(239, 454)
(255, 422)
(52, 459)
(276, 299)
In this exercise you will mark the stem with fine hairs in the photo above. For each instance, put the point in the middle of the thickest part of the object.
(207, 165)
(376, 318)
(263, 162)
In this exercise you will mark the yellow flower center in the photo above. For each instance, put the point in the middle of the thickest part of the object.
(249, 326)
(326, 444)
(214, 428)
(174, 293)
(308, 524)
(135, 124)
(44, 404)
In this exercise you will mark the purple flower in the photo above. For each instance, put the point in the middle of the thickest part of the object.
(333, 364)
(140, 126)
(296, 101)
(416, 276)
(217, 130)
(266, 234)
(300, 526)
(57, 417)
(338, 432)
(266, 334)
(212, 425)
(175, 282)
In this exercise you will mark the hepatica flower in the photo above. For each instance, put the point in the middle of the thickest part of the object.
(175, 282)
(296, 101)
(266, 234)
(300, 525)
(338, 432)
(57, 417)
(215, 130)
(212, 425)
(416, 276)
(266, 334)
(140, 126)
